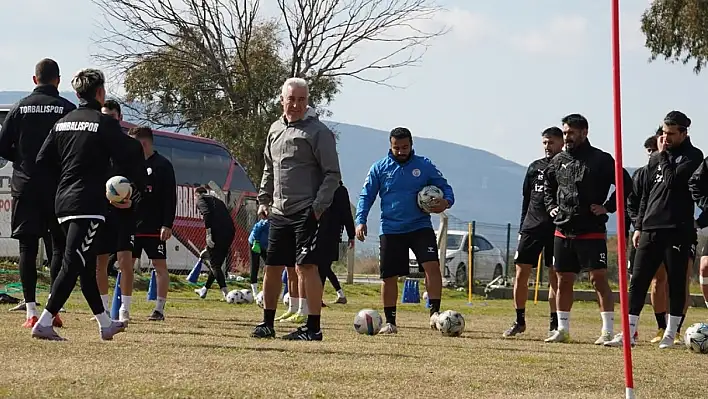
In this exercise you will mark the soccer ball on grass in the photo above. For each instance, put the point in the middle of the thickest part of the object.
(696, 338)
(451, 323)
(367, 322)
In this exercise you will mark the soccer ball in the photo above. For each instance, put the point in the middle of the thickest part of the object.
(246, 296)
(425, 296)
(451, 323)
(234, 296)
(118, 189)
(426, 197)
(696, 338)
(368, 322)
(286, 299)
(259, 299)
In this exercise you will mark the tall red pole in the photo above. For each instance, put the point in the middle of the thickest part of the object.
(619, 188)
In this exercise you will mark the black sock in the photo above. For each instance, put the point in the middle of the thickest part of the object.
(390, 313)
(661, 320)
(434, 306)
(521, 316)
(313, 322)
(554, 321)
(269, 317)
(681, 324)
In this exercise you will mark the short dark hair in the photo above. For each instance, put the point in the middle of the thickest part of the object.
(576, 121)
(401, 133)
(650, 143)
(678, 118)
(552, 132)
(659, 131)
(200, 190)
(86, 83)
(46, 71)
(140, 132)
(113, 106)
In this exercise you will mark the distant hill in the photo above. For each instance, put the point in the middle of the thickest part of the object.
(487, 187)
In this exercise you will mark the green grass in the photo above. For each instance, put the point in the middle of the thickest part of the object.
(203, 350)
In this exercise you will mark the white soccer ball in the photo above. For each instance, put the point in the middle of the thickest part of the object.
(696, 338)
(451, 323)
(425, 296)
(286, 299)
(234, 296)
(426, 196)
(259, 299)
(118, 189)
(368, 322)
(246, 296)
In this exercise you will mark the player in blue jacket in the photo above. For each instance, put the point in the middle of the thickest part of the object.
(397, 179)
(258, 240)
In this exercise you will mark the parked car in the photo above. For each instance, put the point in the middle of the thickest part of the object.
(488, 259)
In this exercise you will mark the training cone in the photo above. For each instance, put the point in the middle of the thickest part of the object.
(152, 289)
(117, 302)
(410, 292)
(194, 274)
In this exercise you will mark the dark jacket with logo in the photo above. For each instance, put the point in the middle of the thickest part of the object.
(534, 217)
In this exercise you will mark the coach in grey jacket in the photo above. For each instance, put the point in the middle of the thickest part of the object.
(300, 177)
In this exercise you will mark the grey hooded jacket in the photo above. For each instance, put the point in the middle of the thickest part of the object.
(301, 166)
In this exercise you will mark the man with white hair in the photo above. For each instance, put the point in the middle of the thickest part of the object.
(300, 177)
(77, 155)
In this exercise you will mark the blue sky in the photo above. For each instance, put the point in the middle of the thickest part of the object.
(505, 71)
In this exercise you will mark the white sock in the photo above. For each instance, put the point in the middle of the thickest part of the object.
(672, 325)
(31, 309)
(633, 324)
(125, 305)
(340, 293)
(608, 321)
(254, 289)
(224, 291)
(707, 304)
(160, 305)
(103, 320)
(292, 306)
(45, 320)
(104, 298)
(563, 320)
(302, 309)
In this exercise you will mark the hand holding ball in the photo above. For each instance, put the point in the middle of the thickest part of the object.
(119, 191)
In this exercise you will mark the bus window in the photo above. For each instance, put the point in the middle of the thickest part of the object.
(241, 181)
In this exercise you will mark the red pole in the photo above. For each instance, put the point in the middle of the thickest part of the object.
(619, 188)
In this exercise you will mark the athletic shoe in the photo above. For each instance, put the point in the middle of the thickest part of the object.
(20, 306)
(678, 340)
(659, 335)
(263, 331)
(516, 328)
(303, 334)
(605, 336)
(434, 321)
(618, 340)
(30, 322)
(341, 300)
(297, 318)
(124, 316)
(200, 293)
(284, 315)
(156, 316)
(550, 333)
(559, 336)
(110, 331)
(389, 328)
(46, 333)
(57, 322)
(667, 341)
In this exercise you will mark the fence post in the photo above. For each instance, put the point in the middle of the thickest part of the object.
(442, 242)
(508, 247)
(350, 264)
(471, 260)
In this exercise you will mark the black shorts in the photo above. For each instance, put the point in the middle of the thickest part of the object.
(116, 234)
(29, 218)
(578, 255)
(530, 247)
(154, 247)
(294, 240)
(393, 251)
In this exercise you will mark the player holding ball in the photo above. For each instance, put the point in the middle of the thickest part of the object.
(397, 179)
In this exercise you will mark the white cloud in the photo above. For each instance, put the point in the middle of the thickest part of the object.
(465, 26)
(565, 34)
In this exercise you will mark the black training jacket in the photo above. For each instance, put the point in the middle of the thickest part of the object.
(635, 196)
(159, 204)
(25, 129)
(217, 218)
(534, 217)
(611, 203)
(698, 185)
(134, 171)
(575, 180)
(337, 217)
(77, 156)
(666, 201)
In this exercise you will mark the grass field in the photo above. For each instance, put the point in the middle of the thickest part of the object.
(203, 350)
